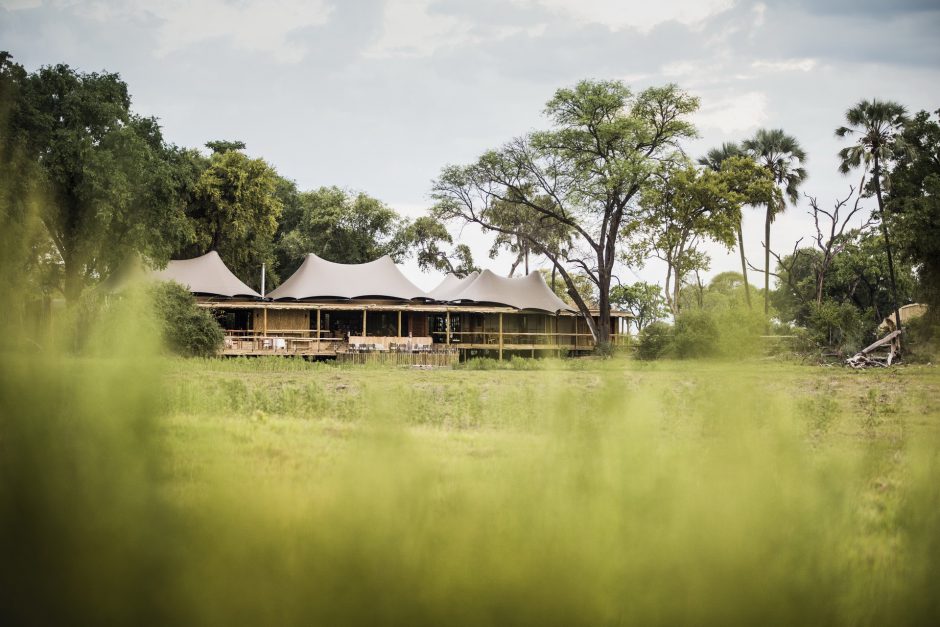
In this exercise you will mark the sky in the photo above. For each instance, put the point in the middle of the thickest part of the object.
(379, 96)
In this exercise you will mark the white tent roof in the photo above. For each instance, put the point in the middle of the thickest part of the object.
(318, 278)
(451, 286)
(205, 275)
(527, 292)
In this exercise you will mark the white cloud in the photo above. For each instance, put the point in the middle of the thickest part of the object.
(736, 113)
(785, 65)
(262, 26)
(19, 5)
(642, 15)
(411, 30)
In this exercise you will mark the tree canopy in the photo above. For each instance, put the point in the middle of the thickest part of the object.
(583, 175)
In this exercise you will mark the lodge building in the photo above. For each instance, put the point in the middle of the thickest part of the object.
(359, 312)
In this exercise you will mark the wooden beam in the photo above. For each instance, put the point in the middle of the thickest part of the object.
(318, 330)
(500, 336)
(399, 323)
(447, 328)
(265, 323)
(364, 334)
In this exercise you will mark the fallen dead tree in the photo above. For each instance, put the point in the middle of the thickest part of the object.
(880, 354)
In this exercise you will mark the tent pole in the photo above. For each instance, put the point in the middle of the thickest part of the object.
(447, 333)
(318, 329)
(364, 334)
(399, 323)
(500, 336)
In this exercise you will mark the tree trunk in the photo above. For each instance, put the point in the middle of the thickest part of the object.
(767, 260)
(747, 287)
(72, 281)
(884, 232)
(603, 315)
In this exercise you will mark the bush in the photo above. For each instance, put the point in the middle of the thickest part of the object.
(696, 334)
(187, 329)
(837, 326)
(922, 339)
(654, 340)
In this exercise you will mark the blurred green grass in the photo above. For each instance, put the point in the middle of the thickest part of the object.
(160, 491)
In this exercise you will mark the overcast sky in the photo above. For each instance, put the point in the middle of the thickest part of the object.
(378, 96)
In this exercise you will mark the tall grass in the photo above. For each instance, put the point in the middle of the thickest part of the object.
(136, 490)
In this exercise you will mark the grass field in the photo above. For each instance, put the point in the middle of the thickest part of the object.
(577, 492)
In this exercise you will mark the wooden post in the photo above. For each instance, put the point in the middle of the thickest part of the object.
(265, 323)
(318, 329)
(399, 323)
(500, 336)
(447, 331)
(364, 334)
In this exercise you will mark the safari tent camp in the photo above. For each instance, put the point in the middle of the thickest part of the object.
(331, 309)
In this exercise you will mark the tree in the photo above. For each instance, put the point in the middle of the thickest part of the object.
(643, 300)
(715, 159)
(858, 276)
(234, 210)
(783, 157)
(221, 146)
(682, 208)
(913, 202)
(108, 185)
(343, 227)
(427, 237)
(584, 174)
(875, 123)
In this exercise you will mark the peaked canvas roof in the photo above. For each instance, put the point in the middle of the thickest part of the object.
(205, 275)
(452, 285)
(527, 292)
(318, 278)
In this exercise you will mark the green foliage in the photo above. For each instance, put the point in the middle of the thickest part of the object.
(695, 334)
(429, 238)
(234, 210)
(913, 203)
(644, 300)
(222, 146)
(654, 341)
(858, 277)
(107, 179)
(342, 227)
(187, 329)
(836, 325)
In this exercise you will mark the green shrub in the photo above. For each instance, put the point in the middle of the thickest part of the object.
(836, 325)
(922, 339)
(654, 340)
(187, 329)
(696, 334)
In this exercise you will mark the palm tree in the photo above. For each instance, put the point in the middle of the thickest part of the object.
(713, 160)
(875, 123)
(783, 156)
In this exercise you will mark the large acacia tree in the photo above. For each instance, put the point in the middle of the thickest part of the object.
(583, 175)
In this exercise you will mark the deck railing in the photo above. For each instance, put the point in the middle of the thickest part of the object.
(301, 341)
